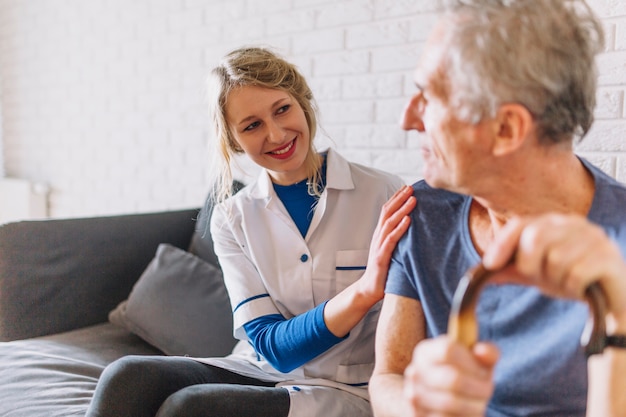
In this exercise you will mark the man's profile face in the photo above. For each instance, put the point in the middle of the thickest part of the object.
(451, 148)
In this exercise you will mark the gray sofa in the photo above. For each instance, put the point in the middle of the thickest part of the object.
(77, 294)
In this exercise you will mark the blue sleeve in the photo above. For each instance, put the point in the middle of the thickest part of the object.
(288, 344)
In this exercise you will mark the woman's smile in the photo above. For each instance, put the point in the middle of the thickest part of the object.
(285, 151)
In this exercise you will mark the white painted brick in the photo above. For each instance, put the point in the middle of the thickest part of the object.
(400, 8)
(120, 70)
(198, 38)
(198, 119)
(304, 63)
(134, 49)
(213, 53)
(347, 112)
(191, 100)
(345, 13)
(390, 110)
(421, 26)
(377, 34)
(324, 139)
(620, 35)
(229, 11)
(341, 63)
(608, 8)
(374, 136)
(153, 137)
(163, 81)
(260, 8)
(280, 44)
(395, 58)
(104, 99)
(373, 85)
(605, 136)
(410, 161)
(612, 68)
(135, 121)
(308, 3)
(291, 22)
(164, 7)
(244, 30)
(358, 156)
(319, 41)
(152, 27)
(326, 89)
(609, 36)
(166, 157)
(152, 101)
(182, 20)
(609, 103)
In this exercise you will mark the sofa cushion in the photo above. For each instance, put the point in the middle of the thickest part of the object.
(179, 305)
(59, 275)
(56, 375)
(201, 242)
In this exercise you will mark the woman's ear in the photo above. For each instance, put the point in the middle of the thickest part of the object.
(514, 123)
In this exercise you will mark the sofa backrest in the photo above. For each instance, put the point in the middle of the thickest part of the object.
(59, 275)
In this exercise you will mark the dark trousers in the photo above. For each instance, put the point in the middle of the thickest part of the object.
(138, 386)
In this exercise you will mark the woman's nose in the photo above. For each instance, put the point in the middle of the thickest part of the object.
(412, 116)
(275, 133)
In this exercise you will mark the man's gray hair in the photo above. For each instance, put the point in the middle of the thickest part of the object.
(538, 53)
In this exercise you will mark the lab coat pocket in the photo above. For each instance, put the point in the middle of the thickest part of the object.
(349, 266)
(358, 374)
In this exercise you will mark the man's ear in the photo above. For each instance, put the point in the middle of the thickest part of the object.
(513, 124)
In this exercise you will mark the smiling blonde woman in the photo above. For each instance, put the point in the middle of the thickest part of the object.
(304, 251)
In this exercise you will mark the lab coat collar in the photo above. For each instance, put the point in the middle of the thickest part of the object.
(338, 176)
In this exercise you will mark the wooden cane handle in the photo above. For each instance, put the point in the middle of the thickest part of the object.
(463, 326)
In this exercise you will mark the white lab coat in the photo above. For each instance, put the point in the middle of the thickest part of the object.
(269, 268)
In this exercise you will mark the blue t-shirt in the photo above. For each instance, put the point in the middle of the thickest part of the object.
(299, 203)
(542, 370)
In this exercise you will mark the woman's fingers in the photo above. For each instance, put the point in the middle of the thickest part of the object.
(394, 218)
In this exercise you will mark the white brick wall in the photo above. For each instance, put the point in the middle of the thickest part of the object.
(103, 99)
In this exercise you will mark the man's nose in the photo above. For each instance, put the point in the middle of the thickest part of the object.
(412, 116)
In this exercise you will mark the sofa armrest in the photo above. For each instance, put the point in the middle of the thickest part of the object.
(60, 275)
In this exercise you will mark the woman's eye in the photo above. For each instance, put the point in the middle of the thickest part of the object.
(251, 126)
(283, 108)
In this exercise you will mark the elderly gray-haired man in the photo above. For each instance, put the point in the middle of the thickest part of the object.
(504, 89)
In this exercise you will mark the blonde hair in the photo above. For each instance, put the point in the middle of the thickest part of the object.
(262, 68)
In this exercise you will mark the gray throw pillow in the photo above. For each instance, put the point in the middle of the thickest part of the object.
(179, 305)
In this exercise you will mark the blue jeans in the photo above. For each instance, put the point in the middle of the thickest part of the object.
(138, 386)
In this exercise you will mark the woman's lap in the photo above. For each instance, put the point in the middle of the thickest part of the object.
(139, 385)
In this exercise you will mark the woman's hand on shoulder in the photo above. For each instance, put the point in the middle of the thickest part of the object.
(347, 308)
(393, 222)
